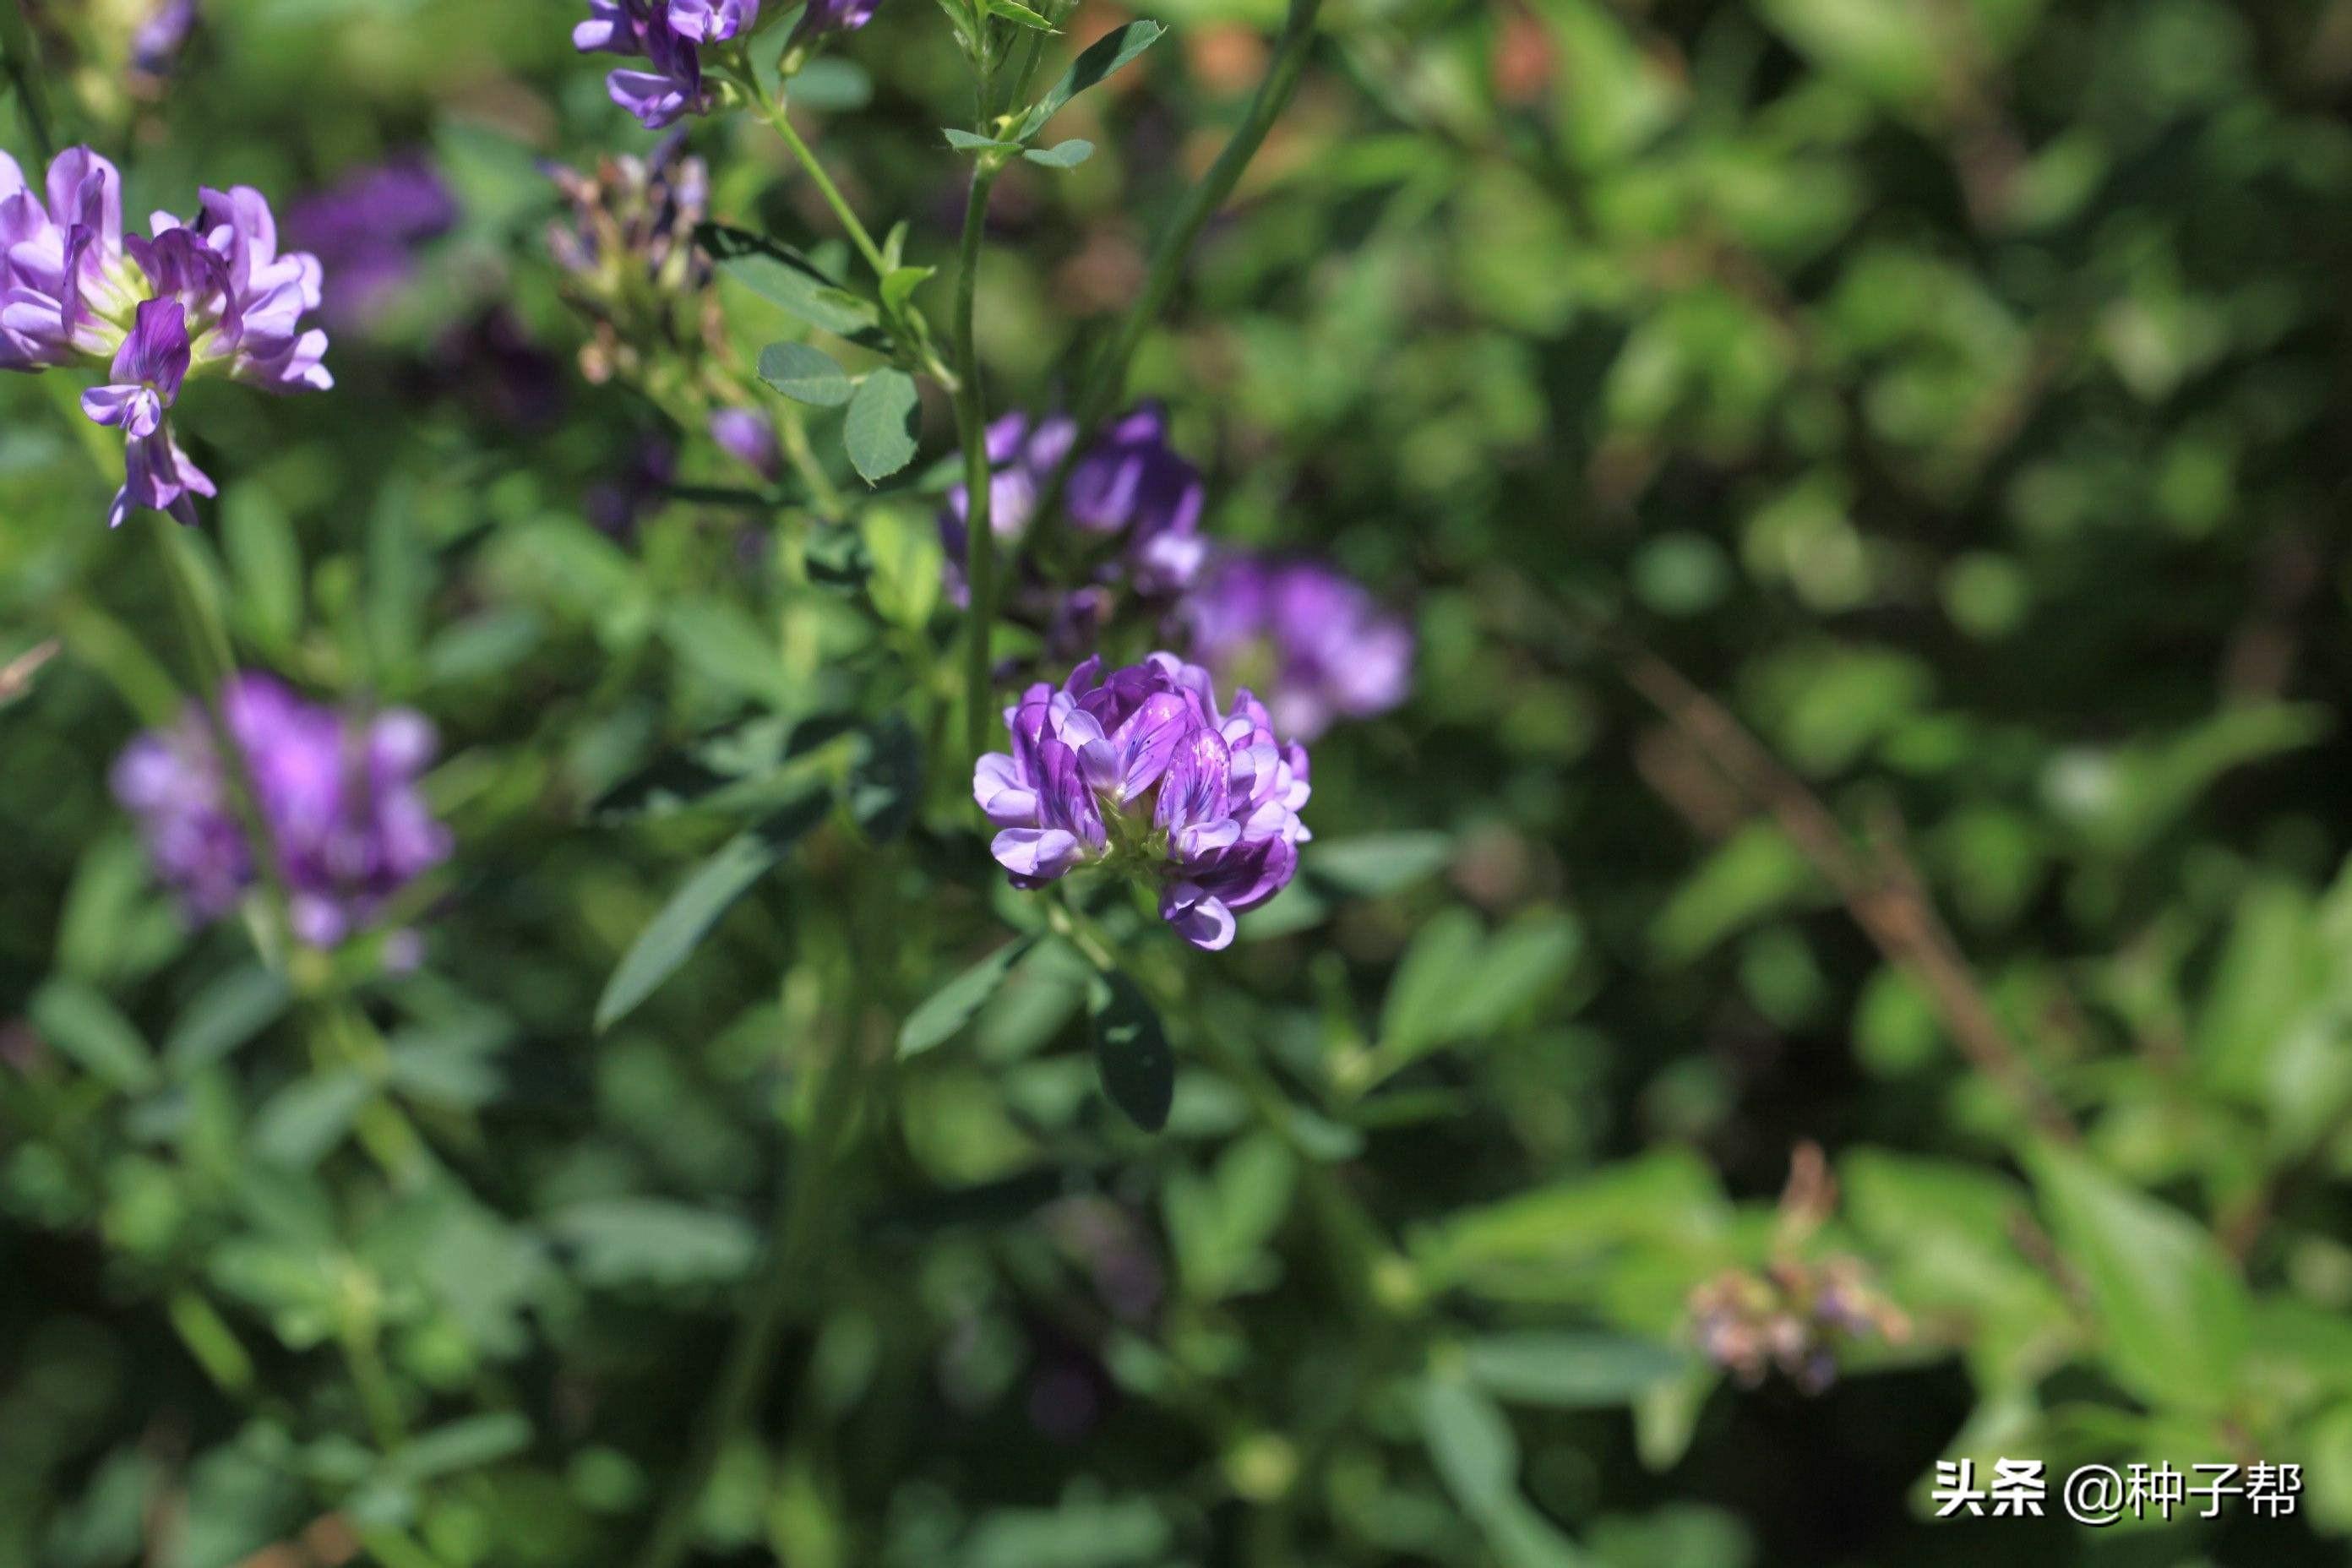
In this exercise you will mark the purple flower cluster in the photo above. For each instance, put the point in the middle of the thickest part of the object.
(672, 86)
(632, 262)
(1140, 773)
(339, 800)
(1311, 638)
(211, 295)
(1130, 485)
(669, 35)
(368, 226)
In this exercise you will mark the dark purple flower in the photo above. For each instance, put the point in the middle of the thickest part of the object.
(1312, 639)
(347, 826)
(1139, 771)
(672, 87)
(367, 228)
(156, 44)
(749, 437)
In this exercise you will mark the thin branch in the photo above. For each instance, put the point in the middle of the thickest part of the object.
(1882, 890)
(1108, 382)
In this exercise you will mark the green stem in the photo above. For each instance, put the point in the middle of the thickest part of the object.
(823, 1143)
(971, 428)
(1108, 383)
(24, 68)
(213, 665)
(1377, 1279)
(780, 120)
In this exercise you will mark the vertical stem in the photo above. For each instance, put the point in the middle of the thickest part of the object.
(214, 665)
(1201, 202)
(1107, 385)
(821, 1143)
(780, 120)
(971, 428)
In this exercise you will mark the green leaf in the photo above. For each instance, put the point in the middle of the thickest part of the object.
(732, 769)
(673, 934)
(1521, 962)
(1572, 1370)
(1377, 864)
(1418, 1012)
(468, 1443)
(2172, 1308)
(898, 285)
(1100, 58)
(965, 141)
(78, 1022)
(887, 783)
(1012, 11)
(264, 564)
(833, 85)
(805, 375)
(1062, 155)
(642, 1241)
(880, 429)
(783, 276)
(224, 1016)
(951, 1006)
(1471, 1443)
(300, 1123)
(1132, 1052)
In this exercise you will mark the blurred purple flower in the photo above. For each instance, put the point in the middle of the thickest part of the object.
(618, 505)
(1130, 485)
(1318, 645)
(75, 289)
(829, 16)
(747, 435)
(673, 86)
(156, 43)
(1140, 772)
(367, 228)
(346, 823)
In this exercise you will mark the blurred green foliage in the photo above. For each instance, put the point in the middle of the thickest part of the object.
(1869, 476)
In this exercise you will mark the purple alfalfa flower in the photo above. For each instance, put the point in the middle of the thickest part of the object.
(1130, 485)
(1140, 773)
(749, 437)
(66, 290)
(147, 369)
(1312, 639)
(672, 86)
(713, 21)
(338, 798)
(210, 296)
(367, 228)
(156, 43)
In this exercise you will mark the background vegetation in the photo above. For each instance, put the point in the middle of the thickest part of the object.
(1868, 480)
